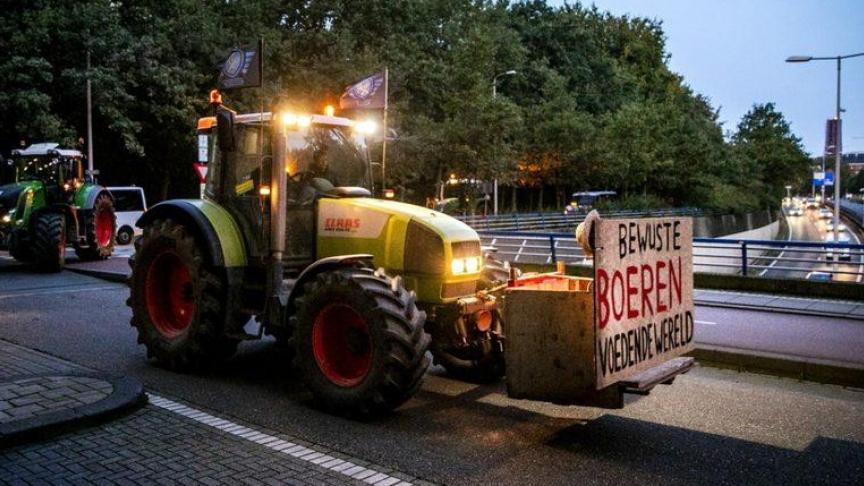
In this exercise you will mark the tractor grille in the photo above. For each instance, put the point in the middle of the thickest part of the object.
(462, 249)
(424, 250)
(458, 289)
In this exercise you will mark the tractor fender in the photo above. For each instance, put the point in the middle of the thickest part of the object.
(325, 265)
(212, 223)
(86, 198)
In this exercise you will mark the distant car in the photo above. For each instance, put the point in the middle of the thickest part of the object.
(796, 211)
(820, 276)
(811, 203)
(842, 253)
(825, 214)
(829, 226)
(129, 204)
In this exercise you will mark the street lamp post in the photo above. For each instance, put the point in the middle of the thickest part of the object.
(509, 72)
(838, 148)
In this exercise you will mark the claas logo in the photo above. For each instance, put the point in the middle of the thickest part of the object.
(341, 224)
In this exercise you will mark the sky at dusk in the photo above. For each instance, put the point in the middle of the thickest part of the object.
(733, 52)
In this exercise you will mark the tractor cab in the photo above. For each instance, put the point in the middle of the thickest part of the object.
(59, 170)
(324, 157)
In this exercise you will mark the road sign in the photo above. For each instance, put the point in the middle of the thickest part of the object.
(203, 145)
(201, 170)
(829, 179)
(818, 178)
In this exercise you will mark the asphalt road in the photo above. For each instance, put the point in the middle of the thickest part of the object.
(810, 228)
(711, 426)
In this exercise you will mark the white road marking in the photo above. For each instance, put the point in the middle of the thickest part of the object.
(778, 257)
(707, 323)
(297, 451)
(62, 291)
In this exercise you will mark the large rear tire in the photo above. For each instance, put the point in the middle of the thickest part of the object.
(359, 342)
(100, 226)
(49, 242)
(178, 301)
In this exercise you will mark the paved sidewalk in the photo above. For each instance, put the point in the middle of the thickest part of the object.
(164, 442)
(848, 309)
(40, 394)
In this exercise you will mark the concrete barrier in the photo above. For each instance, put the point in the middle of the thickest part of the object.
(706, 259)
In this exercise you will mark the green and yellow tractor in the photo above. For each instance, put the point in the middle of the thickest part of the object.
(49, 204)
(288, 233)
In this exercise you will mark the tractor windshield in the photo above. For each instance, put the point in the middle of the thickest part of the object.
(330, 153)
(49, 169)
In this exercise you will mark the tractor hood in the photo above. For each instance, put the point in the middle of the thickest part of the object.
(10, 192)
(445, 226)
(412, 241)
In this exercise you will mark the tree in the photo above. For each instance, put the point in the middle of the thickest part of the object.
(772, 154)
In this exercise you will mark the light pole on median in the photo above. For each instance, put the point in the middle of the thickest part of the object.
(838, 147)
(510, 72)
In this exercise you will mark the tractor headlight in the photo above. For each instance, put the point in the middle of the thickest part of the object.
(465, 265)
(6, 218)
(457, 266)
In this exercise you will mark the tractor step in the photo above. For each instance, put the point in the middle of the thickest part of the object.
(243, 336)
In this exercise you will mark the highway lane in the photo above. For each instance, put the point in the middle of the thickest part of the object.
(807, 336)
(810, 227)
(711, 426)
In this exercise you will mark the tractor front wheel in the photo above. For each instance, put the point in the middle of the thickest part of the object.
(49, 242)
(99, 226)
(178, 302)
(360, 342)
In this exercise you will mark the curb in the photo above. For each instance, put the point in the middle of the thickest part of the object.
(104, 275)
(779, 310)
(808, 369)
(128, 394)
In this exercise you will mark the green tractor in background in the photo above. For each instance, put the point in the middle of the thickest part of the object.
(358, 288)
(50, 204)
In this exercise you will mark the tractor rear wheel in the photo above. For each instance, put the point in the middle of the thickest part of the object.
(99, 226)
(359, 341)
(49, 242)
(178, 301)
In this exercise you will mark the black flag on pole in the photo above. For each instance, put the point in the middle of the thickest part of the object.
(368, 93)
(242, 69)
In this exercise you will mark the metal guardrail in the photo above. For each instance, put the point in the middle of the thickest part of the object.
(853, 210)
(551, 221)
(757, 258)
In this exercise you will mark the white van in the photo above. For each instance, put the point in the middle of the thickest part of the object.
(129, 204)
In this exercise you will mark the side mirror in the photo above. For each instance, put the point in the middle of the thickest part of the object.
(225, 129)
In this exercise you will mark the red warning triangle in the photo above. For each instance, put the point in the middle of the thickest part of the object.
(201, 169)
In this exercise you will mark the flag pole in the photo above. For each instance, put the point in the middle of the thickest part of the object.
(384, 140)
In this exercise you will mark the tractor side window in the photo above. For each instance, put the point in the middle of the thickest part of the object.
(251, 170)
(214, 164)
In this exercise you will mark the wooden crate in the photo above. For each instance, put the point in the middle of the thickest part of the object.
(550, 343)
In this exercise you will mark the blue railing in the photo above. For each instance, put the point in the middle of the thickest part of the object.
(559, 220)
(756, 258)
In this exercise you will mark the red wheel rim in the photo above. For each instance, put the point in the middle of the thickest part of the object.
(342, 345)
(104, 228)
(169, 292)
